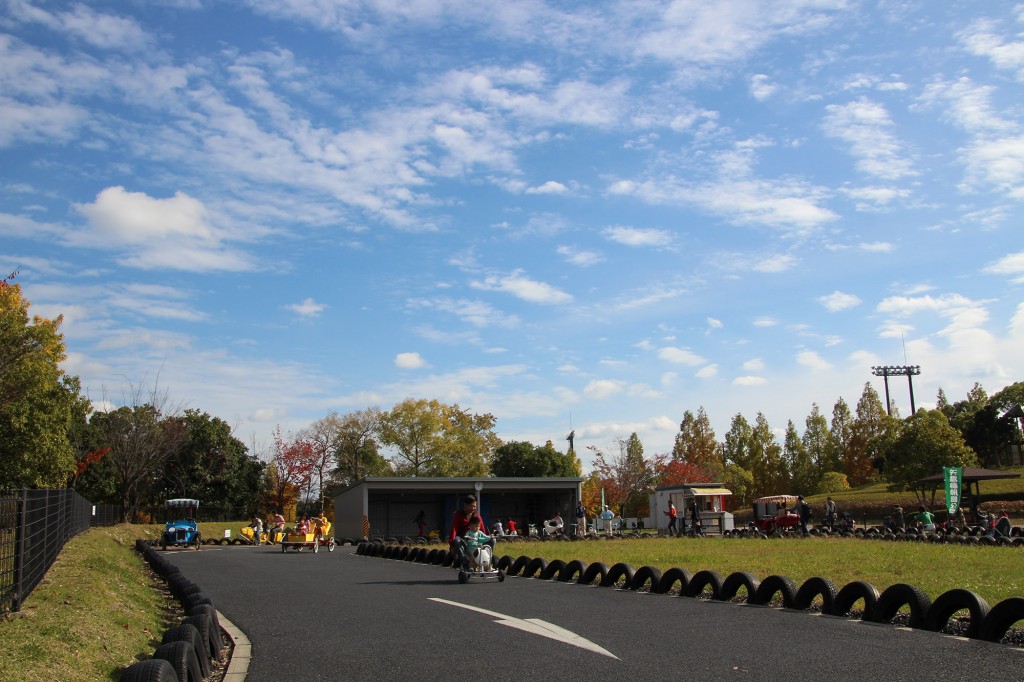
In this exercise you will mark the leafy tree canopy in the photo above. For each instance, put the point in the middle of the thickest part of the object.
(522, 459)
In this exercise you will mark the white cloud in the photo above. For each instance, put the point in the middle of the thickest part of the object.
(749, 381)
(981, 39)
(908, 305)
(634, 236)
(754, 365)
(409, 361)
(714, 323)
(599, 389)
(1010, 264)
(865, 126)
(838, 301)
(308, 308)
(680, 356)
(707, 372)
(549, 187)
(579, 257)
(523, 287)
(172, 234)
(761, 88)
(777, 263)
(812, 360)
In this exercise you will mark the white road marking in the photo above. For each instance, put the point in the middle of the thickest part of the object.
(535, 626)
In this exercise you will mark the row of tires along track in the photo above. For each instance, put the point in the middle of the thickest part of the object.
(985, 622)
(190, 649)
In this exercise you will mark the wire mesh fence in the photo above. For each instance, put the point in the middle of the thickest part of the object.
(34, 526)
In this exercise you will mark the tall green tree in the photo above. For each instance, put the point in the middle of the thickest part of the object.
(736, 447)
(816, 440)
(766, 462)
(356, 450)
(695, 444)
(925, 444)
(840, 433)
(38, 401)
(522, 459)
(803, 474)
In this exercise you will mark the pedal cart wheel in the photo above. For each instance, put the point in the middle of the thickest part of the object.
(463, 576)
(316, 546)
(331, 544)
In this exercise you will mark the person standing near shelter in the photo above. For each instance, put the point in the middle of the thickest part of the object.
(804, 510)
(672, 514)
(606, 516)
(830, 513)
(581, 519)
(695, 526)
(421, 524)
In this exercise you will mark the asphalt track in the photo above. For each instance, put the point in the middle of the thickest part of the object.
(340, 616)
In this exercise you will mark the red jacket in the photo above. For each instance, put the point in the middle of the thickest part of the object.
(460, 524)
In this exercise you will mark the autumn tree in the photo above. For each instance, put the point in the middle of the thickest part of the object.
(522, 459)
(432, 439)
(672, 471)
(38, 401)
(868, 425)
(289, 472)
(695, 444)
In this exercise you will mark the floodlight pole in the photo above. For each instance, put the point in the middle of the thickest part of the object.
(897, 371)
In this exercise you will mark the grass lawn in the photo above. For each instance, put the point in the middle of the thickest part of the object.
(995, 573)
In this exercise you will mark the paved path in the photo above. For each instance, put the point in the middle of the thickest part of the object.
(339, 616)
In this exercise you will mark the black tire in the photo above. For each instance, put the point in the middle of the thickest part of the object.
(948, 603)
(1000, 617)
(504, 563)
(153, 670)
(734, 581)
(194, 599)
(501, 576)
(620, 571)
(182, 657)
(814, 587)
(519, 564)
(672, 576)
(535, 566)
(211, 613)
(186, 632)
(448, 560)
(463, 577)
(896, 597)
(186, 589)
(644, 575)
(595, 571)
(552, 570)
(574, 568)
(203, 623)
(702, 580)
(853, 592)
(401, 554)
(772, 585)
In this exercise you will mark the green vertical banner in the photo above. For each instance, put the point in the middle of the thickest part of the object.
(954, 477)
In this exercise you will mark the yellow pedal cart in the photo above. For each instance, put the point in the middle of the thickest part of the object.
(320, 537)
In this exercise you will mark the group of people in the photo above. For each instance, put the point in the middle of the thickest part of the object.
(996, 526)
(275, 525)
(696, 526)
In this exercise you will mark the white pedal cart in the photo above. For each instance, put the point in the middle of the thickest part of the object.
(481, 565)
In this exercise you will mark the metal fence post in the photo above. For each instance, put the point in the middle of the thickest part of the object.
(19, 557)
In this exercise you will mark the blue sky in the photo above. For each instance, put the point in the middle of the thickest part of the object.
(587, 214)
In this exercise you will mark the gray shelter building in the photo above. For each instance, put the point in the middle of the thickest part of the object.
(391, 505)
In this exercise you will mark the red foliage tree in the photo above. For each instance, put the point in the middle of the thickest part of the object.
(294, 462)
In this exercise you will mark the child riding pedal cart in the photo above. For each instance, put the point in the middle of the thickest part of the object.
(477, 556)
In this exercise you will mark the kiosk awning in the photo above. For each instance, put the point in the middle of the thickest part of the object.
(711, 491)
